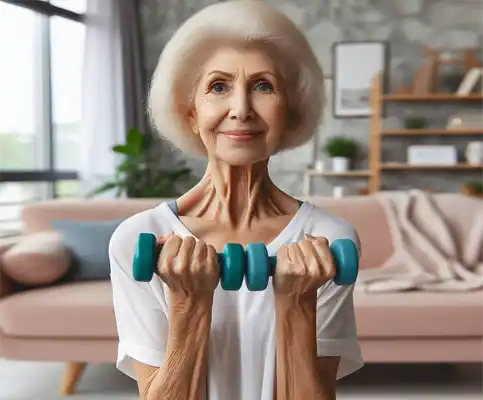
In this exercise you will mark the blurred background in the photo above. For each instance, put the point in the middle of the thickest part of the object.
(404, 111)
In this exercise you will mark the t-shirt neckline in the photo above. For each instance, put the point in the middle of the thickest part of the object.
(287, 232)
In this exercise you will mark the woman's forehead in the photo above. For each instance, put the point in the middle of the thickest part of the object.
(230, 60)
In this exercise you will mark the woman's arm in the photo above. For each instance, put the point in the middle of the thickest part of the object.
(183, 374)
(297, 366)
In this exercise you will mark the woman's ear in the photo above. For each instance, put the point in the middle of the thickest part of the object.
(191, 116)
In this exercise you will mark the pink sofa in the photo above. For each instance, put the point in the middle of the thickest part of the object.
(74, 322)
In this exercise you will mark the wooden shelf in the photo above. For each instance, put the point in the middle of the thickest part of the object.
(442, 132)
(432, 97)
(411, 166)
(350, 173)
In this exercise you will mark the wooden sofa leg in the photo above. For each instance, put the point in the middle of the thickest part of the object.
(72, 374)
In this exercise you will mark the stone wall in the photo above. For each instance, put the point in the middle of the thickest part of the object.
(406, 24)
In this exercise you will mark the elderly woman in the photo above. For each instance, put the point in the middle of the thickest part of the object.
(237, 83)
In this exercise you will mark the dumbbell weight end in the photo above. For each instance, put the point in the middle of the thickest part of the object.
(231, 262)
(260, 266)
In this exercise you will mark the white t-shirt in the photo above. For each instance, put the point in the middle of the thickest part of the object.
(241, 360)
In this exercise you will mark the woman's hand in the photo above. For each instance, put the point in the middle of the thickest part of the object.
(189, 267)
(303, 267)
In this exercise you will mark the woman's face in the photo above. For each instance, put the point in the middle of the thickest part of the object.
(239, 106)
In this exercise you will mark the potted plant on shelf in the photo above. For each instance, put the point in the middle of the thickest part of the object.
(341, 150)
(473, 188)
(138, 174)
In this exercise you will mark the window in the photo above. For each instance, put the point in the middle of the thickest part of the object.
(42, 46)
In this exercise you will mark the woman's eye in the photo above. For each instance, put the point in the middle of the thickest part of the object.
(264, 87)
(218, 87)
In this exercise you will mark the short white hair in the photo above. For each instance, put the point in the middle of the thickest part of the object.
(248, 22)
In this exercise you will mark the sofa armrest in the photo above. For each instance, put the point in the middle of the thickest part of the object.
(7, 286)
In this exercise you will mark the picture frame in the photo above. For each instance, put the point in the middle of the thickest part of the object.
(352, 77)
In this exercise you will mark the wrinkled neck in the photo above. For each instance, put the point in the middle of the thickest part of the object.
(236, 196)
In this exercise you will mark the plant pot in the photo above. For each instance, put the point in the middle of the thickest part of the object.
(469, 190)
(474, 153)
(340, 164)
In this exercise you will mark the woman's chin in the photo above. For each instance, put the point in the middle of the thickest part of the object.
(241, 158)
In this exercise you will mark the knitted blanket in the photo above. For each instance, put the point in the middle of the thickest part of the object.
(429, 253)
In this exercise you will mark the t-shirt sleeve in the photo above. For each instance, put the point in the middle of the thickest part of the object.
(336, 323)
(141, 320)
(336, 328)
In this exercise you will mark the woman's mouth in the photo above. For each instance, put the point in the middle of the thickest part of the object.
(242, 135)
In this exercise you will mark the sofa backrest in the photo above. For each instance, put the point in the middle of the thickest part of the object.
(368, 217)
(364, 212)
(38, 216)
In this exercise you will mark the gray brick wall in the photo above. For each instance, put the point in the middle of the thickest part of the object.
(406, 24)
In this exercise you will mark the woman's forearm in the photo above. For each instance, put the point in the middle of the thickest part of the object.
(296, 351)
(183, 375)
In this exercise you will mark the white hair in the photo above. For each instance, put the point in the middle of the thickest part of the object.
(248, 22)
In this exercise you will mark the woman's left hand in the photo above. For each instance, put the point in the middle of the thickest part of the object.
(303, 267)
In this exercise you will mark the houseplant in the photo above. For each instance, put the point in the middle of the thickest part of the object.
(138, 174)
(341, 150)
(473, 188)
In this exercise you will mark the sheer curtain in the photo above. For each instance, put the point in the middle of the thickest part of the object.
(112, 87)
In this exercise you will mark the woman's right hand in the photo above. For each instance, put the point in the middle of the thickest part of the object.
(189, 267)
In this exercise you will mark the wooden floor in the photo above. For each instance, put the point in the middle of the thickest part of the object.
(41, 381)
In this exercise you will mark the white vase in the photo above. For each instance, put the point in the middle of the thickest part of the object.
(319, 166)
(340, 164)
(474, 153)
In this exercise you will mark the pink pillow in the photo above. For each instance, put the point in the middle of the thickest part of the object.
(37, 259)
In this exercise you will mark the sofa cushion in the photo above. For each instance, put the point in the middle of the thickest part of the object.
(419, 314)
(73, 310)
(36, 259)
(87, 243)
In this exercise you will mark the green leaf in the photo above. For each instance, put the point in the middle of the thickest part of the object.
(135, 140)
(104, 188)
(122, 149)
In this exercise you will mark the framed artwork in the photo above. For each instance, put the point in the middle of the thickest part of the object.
(354, 66)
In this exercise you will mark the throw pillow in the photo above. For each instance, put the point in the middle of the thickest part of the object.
(87, 243)
(36, 259)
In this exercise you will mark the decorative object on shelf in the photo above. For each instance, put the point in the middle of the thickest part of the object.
(341, 150)
(338, 192)
(472, 82)
(474, 153)
(424, 80)
(415, 122)
(319, 166)
(392, 123)
(450, 82)
(432, 155)
(470, 119)
(428, 79)
(473, 188)
(138, 174)
(352, 79)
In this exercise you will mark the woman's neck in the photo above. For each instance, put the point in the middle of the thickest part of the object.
(236, 196)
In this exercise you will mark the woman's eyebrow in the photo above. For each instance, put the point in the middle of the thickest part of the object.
(229, 75)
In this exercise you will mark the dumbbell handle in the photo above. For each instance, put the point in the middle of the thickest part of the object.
(271, 259)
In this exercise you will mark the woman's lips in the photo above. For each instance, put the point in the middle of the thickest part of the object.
(242, 135)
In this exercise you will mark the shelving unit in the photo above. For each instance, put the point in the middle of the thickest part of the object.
(310, 173)
(378, 98)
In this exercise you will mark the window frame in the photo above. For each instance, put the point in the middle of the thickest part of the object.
(49, 175)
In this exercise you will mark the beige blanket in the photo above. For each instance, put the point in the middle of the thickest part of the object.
(430, 253)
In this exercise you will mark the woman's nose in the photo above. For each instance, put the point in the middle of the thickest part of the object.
(240, 105)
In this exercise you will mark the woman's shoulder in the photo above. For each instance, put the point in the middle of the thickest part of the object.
(153, 220)
(324, 222)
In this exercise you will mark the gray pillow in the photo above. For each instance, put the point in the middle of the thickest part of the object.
(87, 243)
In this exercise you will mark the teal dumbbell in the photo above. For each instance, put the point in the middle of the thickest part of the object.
(259, 266)
(235, 261)
(231, 262)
